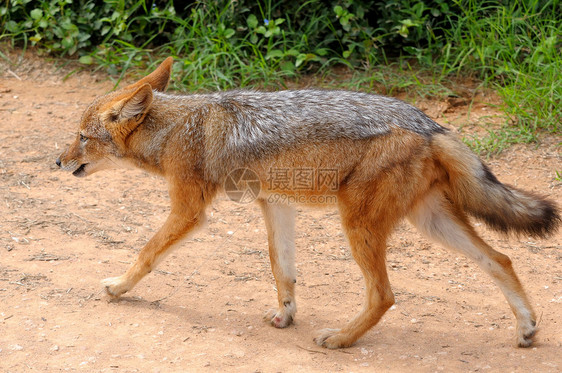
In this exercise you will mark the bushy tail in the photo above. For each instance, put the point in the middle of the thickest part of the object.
(474, 188)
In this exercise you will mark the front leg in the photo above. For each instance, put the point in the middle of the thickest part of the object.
(188, 212)
(280, 224)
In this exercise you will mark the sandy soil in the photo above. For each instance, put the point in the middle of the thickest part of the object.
(202, 309)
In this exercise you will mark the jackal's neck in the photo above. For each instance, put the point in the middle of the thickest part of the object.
(166, 133)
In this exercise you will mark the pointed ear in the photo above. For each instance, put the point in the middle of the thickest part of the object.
(125, 113)
(159, 78)
(137, 104)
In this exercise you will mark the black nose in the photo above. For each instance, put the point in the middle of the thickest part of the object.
(58, 162)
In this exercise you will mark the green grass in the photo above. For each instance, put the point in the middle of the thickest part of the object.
(499, 139)
(515, 49)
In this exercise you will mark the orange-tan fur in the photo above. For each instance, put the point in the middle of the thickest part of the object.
(385, 173)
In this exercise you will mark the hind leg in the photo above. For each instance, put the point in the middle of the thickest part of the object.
(440, 220)
(367, 239)
(280, 224)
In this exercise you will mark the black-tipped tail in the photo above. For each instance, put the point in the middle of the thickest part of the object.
(502, 207)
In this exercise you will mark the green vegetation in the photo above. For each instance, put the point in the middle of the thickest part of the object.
(514, 47)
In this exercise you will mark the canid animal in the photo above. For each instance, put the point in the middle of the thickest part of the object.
(390, 161)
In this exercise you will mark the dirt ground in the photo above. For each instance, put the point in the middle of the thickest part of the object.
(202, 309)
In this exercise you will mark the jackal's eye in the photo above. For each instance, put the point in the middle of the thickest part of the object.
(83, 138)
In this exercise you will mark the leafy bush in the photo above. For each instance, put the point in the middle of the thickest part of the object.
(290, 35)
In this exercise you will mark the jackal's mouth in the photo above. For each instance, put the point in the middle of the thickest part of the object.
(80, 171)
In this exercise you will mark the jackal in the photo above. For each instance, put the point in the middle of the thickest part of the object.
(391, 161)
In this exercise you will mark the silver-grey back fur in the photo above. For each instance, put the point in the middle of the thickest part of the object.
(261, 124)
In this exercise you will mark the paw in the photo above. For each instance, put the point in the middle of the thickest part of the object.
(115, 286)
(279, 319)
(332, 338)
(282, 317)
(525, 333)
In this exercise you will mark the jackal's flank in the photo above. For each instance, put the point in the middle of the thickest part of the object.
(392, 163)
